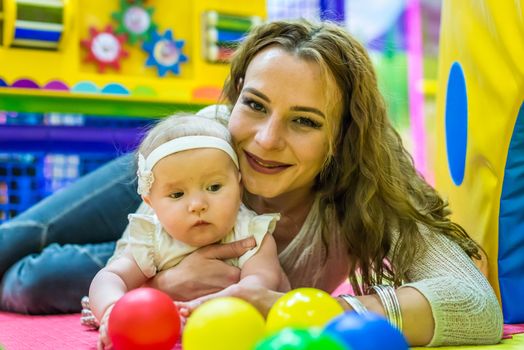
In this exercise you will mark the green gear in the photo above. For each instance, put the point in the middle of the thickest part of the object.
(135, 21)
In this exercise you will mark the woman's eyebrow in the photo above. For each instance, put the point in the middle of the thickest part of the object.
(257, 93)
(294, 108)
(308, 109)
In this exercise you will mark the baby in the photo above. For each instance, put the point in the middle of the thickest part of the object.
(189, 177)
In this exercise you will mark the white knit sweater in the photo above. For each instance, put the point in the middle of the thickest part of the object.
(465, 308)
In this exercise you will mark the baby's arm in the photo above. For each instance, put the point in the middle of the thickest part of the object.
(110, 284)
(113, 281)
(263, 269)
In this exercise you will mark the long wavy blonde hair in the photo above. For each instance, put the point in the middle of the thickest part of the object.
(369, 180)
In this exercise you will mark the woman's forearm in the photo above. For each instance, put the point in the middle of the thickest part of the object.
(270, 281)
(417, 318)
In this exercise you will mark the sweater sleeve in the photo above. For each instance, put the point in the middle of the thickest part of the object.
(465, 308)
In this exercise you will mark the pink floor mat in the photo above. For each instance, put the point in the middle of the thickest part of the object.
(61, 332)
(57, 332)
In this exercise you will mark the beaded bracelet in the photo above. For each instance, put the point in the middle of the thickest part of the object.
(355, 304)
(87, 318)
(391, 305)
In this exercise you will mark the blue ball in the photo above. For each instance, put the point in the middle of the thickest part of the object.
(366, 332)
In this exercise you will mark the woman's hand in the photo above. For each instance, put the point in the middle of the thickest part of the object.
(260, 297)
(202, 272)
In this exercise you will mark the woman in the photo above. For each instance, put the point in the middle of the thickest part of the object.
(314, 144)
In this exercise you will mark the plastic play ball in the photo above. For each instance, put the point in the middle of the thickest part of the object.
(302, 308)
(366, 332)
(223, 324)
(300, 339)
(144, 318)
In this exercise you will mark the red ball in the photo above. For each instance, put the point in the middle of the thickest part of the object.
(144, 318)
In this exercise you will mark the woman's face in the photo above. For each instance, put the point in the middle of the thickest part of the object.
(280, 123)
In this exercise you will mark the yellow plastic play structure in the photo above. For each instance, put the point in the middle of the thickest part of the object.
(480, 133)
(118, 57)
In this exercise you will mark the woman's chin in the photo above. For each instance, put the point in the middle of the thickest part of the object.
(263, 191)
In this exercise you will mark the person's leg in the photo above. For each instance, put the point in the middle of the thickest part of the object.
(43, 284)
(94, 209)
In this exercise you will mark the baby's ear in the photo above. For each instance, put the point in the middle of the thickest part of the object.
(147, 200)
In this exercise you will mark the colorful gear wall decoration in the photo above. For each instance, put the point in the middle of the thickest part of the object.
(165, 53)
(135, 21)
(105, 48)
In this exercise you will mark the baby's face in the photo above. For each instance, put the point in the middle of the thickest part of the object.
(196, 195)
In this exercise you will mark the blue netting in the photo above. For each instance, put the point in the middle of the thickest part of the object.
(26, 178)
(44, 152)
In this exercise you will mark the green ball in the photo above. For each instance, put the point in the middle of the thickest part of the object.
(300, 339)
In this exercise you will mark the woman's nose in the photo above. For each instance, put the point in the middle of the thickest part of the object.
(270, 134)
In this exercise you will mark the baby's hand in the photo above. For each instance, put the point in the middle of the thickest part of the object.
(104, 342)
(185, 308)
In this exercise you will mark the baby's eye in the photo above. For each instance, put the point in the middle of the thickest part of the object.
(308, 122)
(176, 195)
(214, 187)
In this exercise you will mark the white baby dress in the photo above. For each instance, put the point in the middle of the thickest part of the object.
(155, 250)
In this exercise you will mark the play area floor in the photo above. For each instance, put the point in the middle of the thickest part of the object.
(61, 332)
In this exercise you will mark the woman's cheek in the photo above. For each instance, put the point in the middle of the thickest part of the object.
(236, 127)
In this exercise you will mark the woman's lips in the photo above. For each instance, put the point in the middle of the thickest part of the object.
(264, 166)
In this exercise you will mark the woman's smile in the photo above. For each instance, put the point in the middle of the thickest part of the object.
(265, 166)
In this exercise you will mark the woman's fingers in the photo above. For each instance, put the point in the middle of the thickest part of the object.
(229, 250)
(203, 271)
(261, 298)
(185, 308)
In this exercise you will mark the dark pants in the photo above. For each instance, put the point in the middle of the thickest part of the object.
(50, 253)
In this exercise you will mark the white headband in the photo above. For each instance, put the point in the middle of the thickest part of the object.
(145, 165)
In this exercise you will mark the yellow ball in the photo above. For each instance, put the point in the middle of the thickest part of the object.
(223, 324)
(302, 308)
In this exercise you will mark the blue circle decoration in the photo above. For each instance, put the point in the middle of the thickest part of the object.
(368, 331)
(456, 119)
(165, 52)
(3, 83)
(114, 88)
(86, 87)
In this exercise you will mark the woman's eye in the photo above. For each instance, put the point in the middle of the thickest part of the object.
(254, 105)
(214, 187)
(308, 122)
(176, 195)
